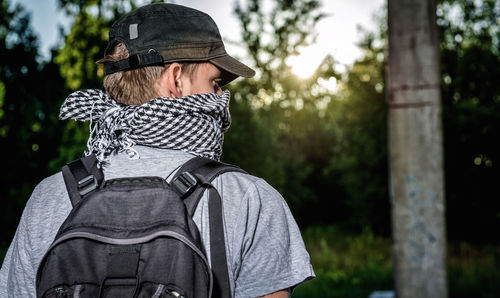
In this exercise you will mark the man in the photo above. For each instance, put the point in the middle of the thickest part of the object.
(164, 67)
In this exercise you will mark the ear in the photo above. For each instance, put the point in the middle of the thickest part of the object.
(169, 84)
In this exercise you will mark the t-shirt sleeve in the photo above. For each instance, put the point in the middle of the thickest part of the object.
(272, 253)
(39, 223)
(17, 276)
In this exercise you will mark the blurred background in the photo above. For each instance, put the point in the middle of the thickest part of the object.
(313, 122)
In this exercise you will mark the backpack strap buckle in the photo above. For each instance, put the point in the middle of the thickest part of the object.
(82, 177)
(184, 184)
(87, 184)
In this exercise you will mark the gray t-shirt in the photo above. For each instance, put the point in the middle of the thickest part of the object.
(265, 251)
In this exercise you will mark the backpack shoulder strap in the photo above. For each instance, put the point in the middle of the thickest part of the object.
(191, 180)
(82, 176)
(198, 171)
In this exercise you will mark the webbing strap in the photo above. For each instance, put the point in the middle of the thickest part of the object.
(206, 170)
(133, 62)
(81, 177)
(217, 246)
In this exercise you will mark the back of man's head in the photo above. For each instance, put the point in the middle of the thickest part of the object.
(145, 41)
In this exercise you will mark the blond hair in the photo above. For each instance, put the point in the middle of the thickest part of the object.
(136, 86)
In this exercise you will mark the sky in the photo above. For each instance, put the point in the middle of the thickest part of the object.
(337, 34)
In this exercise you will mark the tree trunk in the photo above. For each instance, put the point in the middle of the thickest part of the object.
(416, 150)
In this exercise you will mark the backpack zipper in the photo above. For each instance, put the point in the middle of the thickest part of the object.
(60, 292)
(56, 292)
(174, 294)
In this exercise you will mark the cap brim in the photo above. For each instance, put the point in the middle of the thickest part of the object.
(231, 69)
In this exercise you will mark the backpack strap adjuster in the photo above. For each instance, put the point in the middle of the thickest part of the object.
(82, 176)
(87, 184)
(184, 184)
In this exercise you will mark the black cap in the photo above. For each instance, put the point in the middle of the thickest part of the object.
(162, 33)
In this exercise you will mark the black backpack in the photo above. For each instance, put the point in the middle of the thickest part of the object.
(135, 237)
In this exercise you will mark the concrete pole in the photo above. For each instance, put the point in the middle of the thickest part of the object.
(416, 150)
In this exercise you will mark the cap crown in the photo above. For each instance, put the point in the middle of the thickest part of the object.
(177, 32)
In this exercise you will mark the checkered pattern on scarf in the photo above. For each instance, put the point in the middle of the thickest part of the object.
(194, 123)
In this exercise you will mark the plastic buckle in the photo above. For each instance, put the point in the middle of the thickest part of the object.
(184, 184)
(87, 185)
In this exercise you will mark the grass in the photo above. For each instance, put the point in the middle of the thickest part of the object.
(355, 266)
(474, 271)
(346, 265)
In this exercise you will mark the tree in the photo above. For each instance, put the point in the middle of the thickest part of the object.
(84, 44)
(280, 139)
(470, 63)
(320, 147)
(416, 154)
(359, 164)
(30, 95)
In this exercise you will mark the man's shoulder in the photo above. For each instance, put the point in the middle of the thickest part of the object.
(45, 211)
(50, 187)
(49, 197)
(49, 181)
(239, 179)
(246, 187)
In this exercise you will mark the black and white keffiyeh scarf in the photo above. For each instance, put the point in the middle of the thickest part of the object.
(193, 123)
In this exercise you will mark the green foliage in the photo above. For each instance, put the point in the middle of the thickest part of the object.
(348, 265)
(72, 144)
(284, 127)
(470, 64)
(473, 270)
(249, 141)
(360, 156)
(272, 37)
(29, 99)
(83, 46)
(87, 40)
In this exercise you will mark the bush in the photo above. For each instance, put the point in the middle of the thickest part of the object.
(346, 265)
(355, 266)
(473, 271)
